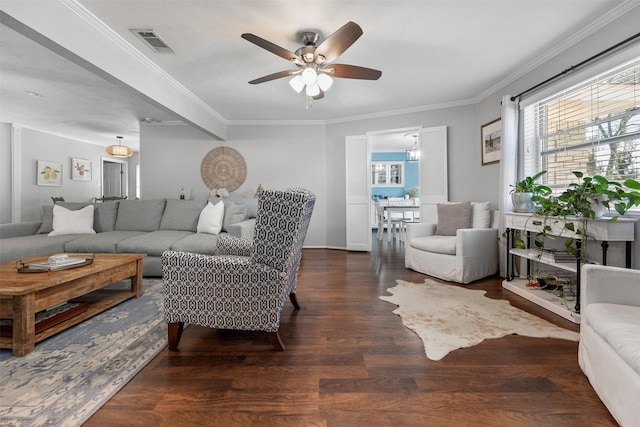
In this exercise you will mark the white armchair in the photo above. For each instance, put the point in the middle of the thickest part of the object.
(465, 255)
(609, 349)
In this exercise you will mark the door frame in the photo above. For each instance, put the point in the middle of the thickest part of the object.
(124, 178)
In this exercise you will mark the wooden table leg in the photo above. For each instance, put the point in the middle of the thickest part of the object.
(136, 281)
(24, 324)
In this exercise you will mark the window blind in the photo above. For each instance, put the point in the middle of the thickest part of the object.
(592, 127)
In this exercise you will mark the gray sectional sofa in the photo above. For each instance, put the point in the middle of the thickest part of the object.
(130, 226)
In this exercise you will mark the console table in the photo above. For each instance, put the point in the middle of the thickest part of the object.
(599, 229)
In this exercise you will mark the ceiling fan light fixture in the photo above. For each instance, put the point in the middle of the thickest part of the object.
(313, 90)
(309, 76)
(324, 81)
(296, 83)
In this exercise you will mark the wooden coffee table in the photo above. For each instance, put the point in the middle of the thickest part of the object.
(22, 295)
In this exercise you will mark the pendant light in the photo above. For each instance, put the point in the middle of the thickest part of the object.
(119, 150)
(413, 155)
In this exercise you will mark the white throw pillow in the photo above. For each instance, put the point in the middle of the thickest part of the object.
(66, 221)
(211, 217)
(480, 215)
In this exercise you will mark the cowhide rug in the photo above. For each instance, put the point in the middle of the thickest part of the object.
(449, 317)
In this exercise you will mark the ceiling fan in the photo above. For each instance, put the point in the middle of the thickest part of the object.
(314, 63)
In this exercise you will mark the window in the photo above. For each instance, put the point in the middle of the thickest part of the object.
(387, 174)
(593, 127)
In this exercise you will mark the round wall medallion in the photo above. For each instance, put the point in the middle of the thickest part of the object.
(223, 167)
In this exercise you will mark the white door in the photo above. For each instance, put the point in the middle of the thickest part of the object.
(434, 184)
(114, 177)
(357, 155)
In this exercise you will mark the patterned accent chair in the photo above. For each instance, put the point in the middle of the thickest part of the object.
(244, 286)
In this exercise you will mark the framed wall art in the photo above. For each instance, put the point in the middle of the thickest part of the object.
(80, 169)
(48, 173)
(490, 140)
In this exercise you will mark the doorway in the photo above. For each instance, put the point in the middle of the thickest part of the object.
(115, 177)
(433, 182)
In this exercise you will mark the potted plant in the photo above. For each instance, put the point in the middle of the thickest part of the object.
(586, 200)
(412, 193)
(524, 192)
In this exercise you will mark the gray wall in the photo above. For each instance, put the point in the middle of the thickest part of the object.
(34, 145)
(311, 156)
(276, 157)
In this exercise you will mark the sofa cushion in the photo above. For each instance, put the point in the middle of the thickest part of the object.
(106, 242)
(233, 213)
(37, 244)
(211, 217)
(201, 243)
(437, 244)
(252, 207)
(480, 215)
(453, 216)
(619, 326)
(66, 221)
(153, 243)
(139, 215)
(181, 215)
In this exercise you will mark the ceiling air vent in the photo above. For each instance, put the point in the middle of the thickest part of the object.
(153, 40)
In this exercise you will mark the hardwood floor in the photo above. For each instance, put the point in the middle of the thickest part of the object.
(349, 361)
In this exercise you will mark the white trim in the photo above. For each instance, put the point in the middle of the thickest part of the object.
(626, 56)
(135, 54)
(16, 173)
(590, 29)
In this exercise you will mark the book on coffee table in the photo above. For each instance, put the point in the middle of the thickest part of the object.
(53, 263)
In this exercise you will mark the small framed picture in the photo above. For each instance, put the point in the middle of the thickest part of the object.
(80, 169)
(490, 140)
(49, 173)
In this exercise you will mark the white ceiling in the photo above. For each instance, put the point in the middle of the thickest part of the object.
(431, 53)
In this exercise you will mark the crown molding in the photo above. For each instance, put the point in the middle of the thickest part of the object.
(128, 49)
(585, 32)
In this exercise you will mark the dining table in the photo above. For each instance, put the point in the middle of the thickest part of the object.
(395, 208)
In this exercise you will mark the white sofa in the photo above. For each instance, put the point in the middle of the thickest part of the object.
(470, 254)
(609, 349)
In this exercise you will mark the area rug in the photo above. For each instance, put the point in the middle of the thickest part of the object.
(71, 375)
(449, 317)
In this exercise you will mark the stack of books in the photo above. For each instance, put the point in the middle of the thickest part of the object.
(551, 255)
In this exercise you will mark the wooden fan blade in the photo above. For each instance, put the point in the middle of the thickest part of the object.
(334, 45)
(320, 95)
(271, 47)
(353, 72)
(278, 75)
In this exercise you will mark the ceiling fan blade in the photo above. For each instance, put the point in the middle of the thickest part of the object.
(271, 47)
(278, 75)
(353, 72)
(320, 95)
(334, 45)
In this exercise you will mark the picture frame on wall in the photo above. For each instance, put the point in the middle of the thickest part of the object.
(80, 169)
(491, 141)
(48, 173)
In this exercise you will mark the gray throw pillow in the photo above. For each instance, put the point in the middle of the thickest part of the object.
(181, 215)
(453, 216)
(233, 214)
(139, 215)
(47, 220)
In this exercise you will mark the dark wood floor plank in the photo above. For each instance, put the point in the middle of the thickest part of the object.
(349, 361)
